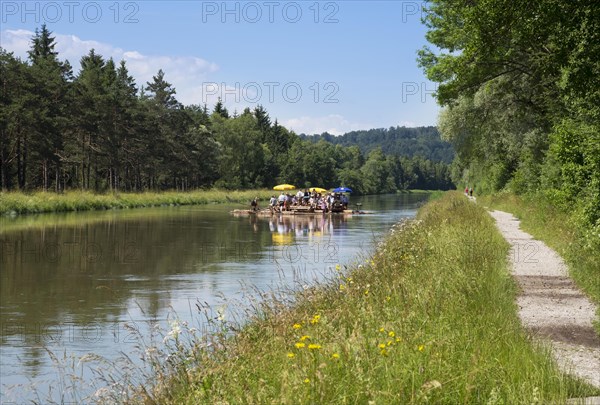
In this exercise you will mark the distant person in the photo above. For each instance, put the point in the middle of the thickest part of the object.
(254, 204)
(471, 192)
(467, 191)
(273, 203)
(281, 201)
(345, 201)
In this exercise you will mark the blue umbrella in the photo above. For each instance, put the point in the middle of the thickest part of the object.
(342, 190)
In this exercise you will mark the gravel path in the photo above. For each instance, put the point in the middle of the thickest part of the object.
(550, 304)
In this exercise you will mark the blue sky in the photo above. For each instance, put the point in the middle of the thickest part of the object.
(316, 66)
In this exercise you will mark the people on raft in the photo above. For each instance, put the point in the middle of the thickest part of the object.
(312, 200)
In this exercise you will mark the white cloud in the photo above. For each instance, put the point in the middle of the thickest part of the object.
(186, 73)
(334, 124)
(16, 41)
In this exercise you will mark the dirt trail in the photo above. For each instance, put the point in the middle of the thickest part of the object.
(550, 304)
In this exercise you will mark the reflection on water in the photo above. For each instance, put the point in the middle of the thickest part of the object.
(70, 282)
(286, 228)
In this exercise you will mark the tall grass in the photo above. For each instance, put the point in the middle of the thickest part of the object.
(430, 317)
(38, 202)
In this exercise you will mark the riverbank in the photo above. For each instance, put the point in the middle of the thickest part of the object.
(557, 229)
(431, 316)
(16, 203)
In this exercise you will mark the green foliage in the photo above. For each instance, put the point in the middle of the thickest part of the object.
(242, 154)
(398, 141)
(520, 83)
(377, 173)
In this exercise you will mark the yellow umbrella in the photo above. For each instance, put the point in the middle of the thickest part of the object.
(317, 189)
(282, 187)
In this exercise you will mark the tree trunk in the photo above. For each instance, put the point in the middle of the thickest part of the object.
(21, 162)
(45, 175)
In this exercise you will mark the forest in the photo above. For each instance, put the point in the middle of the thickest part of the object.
(520, 85)
(400, 141)
(97, 130)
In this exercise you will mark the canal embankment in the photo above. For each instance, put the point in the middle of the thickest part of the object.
(431, 316)
(16, 203)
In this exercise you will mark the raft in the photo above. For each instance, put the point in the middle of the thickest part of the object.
(259, 213)
(292, 212)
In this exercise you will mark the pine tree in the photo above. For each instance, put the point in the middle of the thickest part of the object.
(162, 92)
(220, 109)
(45, 143)
(16, 117)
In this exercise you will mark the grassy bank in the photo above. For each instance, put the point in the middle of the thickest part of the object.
(38, 202)
(433, 194)
(431, 317)
(13, 203)
(559, 231)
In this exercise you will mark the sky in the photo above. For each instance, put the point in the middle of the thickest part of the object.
(316, 66)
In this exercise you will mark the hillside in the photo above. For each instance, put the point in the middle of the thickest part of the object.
(400, 141)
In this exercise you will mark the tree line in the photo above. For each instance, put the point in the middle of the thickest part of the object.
(98, 131)
(520, 83)
(401, 141)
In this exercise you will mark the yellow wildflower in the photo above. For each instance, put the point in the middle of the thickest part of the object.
(306, 381)
(335, 356)
(390, 342)
(383, 352)
(338, 267)
(381, 330)
(391, 333)
(381, 345)
(314, 346)
(297, 326)
(291, 355)
(366, 292)
(315, 319)
(421, 348)
(300, 345)
(303, 338)
(342, 287)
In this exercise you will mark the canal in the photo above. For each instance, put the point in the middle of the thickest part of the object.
(78, 283)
